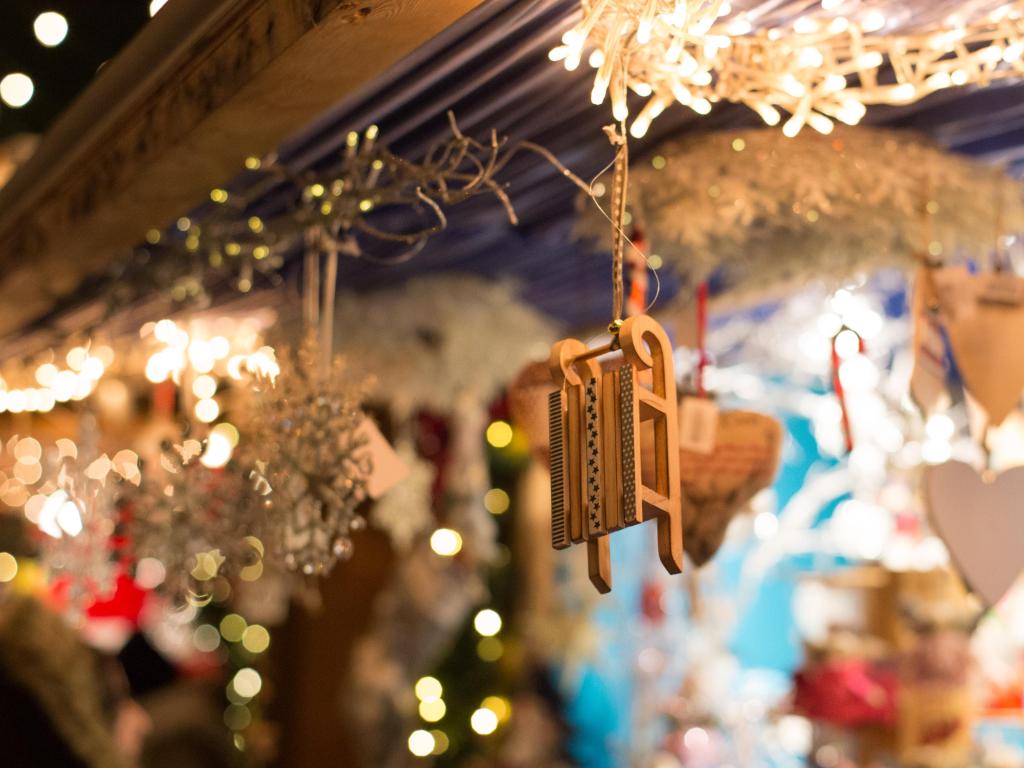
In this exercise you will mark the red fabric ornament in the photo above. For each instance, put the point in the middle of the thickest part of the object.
(652, 602)
(848, 693)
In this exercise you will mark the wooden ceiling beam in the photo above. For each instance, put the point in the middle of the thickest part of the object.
(204, 85)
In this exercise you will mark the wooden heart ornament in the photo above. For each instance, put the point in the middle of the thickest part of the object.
(983, 313)
(718, 484)
(981, 522)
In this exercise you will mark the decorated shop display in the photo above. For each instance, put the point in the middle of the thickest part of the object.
(328, 502)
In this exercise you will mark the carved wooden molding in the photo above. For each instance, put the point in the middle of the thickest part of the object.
(258, 74)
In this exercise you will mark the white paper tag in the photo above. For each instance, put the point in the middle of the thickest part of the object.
(698, 423)
(388, 468)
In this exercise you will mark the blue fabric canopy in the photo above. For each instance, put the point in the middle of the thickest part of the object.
(492, 69)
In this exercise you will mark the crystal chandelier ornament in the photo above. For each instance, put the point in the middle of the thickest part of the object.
(818, 63)
(200, 522)
(312, 459)
(309, 439)
(77, 508)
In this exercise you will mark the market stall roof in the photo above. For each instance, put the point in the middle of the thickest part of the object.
(491, 68)
(204, 84)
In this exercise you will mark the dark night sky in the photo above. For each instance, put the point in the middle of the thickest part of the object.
(98, 30)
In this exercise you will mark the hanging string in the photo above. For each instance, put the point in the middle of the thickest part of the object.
(1000, 259)
(702, 331)
(620, 186)
(636, 301)
(311, 279)
(318, 295)
(327, 310)
(837, 383)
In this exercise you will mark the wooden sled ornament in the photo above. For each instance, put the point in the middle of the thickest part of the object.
(598, 481)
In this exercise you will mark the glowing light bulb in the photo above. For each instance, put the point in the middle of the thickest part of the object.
(851, 111)
(792, 126)
(446, 542)
(432, 711)
(939, 80)
(499, 434)
(805, 25)
(69, 518)
(834, 83)
(207, 410)
(820, 123)
(768, 113)
(204, 386)
(483, 721)
(16, 89)
(218, 450)
(701, 106)
(811, 58)
(155, 6)
(940, 427)
(870, 60)
(46, 373)
(903, 92)
(421, 743)
(872, 21)
(487, 623)
(793, 87)
(50, 28)
(247, 682)
(428, 689)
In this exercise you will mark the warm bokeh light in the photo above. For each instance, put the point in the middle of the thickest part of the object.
(499, 434)
(206, 638)
(490, 649)
(8, 567)
(499, 706)
(232, 627)
(428, 689)
(218, 449)
(496, 501)
(16, 89)
(483, 721)
(421, 743)
(207, 410)
(255, 639)
(446, 542)
(204, 386)
(50, 28)
(433, 710)
(441, 742)
(487, 622)
(247, 682)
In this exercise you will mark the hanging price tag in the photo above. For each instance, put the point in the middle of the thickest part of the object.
(698, 424)
(388, 468)
(1002, 288)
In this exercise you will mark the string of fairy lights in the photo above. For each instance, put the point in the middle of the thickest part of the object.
(817, 62)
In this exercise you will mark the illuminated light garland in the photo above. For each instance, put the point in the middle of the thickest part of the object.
(86, 366)
(818, 67)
